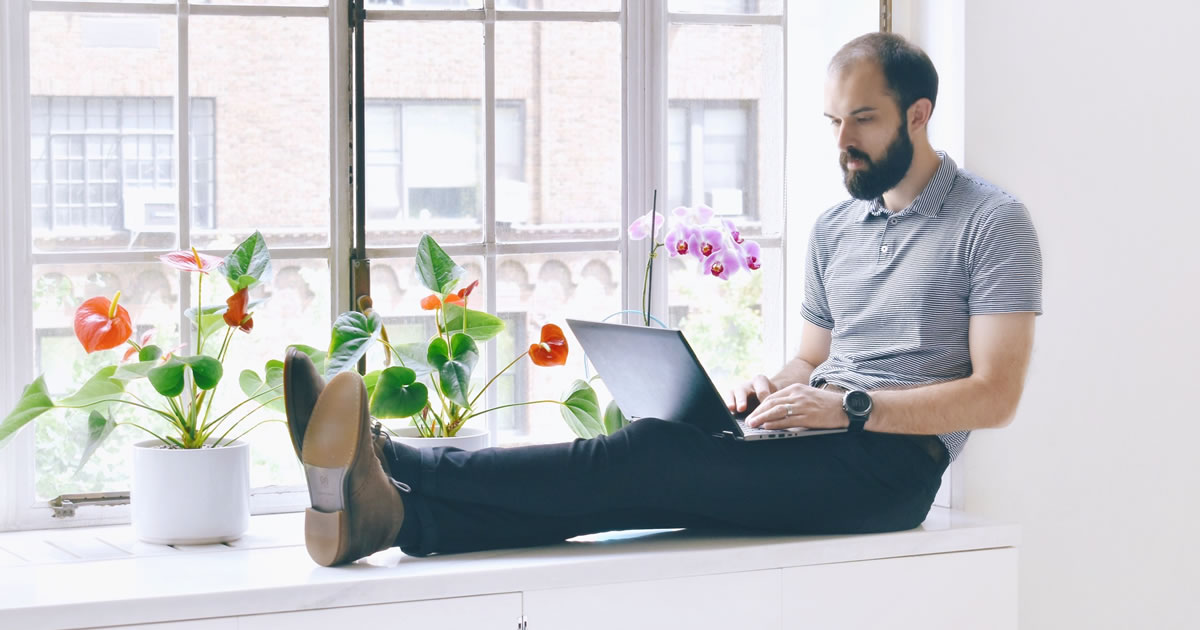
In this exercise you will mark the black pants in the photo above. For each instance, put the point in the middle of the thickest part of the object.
(657, 474)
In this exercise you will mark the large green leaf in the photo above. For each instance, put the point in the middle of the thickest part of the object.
(413, 356)
(454, 365)
(210, 319)
(102, 386)
(479, 325)
(248, 264)
(614, 420)
(436, 270)
(397, 394)
(369, 381)
(253, 385)
(34, 401)
(581, 410)
(353, 334)
(149, 353)
(99, 426)
(168, 378)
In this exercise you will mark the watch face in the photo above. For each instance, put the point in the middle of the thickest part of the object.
(858, 403)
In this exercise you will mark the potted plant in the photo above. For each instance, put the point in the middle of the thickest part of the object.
(721, 250)
(196, 443)
(429, 381)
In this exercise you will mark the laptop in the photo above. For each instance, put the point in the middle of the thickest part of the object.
(653, 373)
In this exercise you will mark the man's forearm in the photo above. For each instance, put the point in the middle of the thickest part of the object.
(960, 405)
(795, 371)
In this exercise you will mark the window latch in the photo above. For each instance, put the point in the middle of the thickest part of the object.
(64, 504)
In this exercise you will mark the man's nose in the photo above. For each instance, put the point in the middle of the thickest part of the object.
(844, 137)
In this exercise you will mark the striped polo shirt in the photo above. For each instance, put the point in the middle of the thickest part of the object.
(898, 289)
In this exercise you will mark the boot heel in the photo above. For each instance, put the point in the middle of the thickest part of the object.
(326, 535)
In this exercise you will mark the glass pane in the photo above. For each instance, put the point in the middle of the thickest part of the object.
(425, 4)
(558, 130)
(559, 5)
(150, 292)
(770, 7)
(268, 116)
(725, 122)
(537, 289)
(424, 141)
(91, 77)
(294, 310)
(286, 3)
(726, 321)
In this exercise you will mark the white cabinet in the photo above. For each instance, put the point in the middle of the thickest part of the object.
(972, 589)
(484, 612)
(731, 600)
(228, 623)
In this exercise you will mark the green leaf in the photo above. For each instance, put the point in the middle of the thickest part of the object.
(149, 353)
(317, 356)
(211, 317)
(167, 378)
(454, 365)
(436, 270)
(134, 371)
(397, 394)
(34, 401)
(248, 264)
(369, 381)
(250, 382)
(479, 325)
(101, 386)
(253, 385)
(206, 371)
(414, 357)
(581, 410)
(353, 334)
(614, 420)
(99, 426)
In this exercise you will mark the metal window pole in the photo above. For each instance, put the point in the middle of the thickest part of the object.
(360, 266)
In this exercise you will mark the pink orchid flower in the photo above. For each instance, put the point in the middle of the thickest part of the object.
(732, 230)
(722, 263)
(640, 228)
(681, 240)
(698, 215)
(710, 241)
(751, 255)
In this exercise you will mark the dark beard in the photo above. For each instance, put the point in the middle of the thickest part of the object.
(878, 178)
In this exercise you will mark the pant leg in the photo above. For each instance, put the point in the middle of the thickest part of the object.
(661, 474)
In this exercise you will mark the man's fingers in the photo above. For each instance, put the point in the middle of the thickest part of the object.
(762, 387)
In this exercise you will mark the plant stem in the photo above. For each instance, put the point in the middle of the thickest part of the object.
(489, 383)
(243, 418)
(529, 402)
(134, 424)
(243, 433)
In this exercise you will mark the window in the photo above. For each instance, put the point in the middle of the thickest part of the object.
(524, 144)
(709, 145)
(109, 163)
(423, 158)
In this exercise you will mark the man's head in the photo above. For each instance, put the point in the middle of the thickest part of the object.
(879, 95)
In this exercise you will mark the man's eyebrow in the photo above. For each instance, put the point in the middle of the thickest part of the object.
(860, 110)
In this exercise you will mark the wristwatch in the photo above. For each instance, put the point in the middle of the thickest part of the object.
(857, 404)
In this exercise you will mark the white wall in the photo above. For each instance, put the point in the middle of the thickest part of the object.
(1088, 111)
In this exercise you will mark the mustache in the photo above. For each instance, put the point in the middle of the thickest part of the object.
(852, 153)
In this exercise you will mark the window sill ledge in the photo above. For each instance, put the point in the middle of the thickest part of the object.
(59, 578)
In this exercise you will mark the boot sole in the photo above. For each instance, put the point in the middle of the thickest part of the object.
(330, 447)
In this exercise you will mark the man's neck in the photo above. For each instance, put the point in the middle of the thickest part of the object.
(924, 166)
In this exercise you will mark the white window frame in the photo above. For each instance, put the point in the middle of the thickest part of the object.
(644, 27)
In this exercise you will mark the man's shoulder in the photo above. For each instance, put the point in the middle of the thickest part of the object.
(843, 212)
(977, 196)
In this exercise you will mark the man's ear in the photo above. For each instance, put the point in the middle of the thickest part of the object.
(919, 113)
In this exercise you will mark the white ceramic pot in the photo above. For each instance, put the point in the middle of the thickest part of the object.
(190, 496)
(468, 438)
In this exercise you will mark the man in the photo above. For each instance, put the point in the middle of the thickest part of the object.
(919, 304)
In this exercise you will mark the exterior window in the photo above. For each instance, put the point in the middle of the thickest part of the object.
(108, 163)
(710, 155)
(423, 158)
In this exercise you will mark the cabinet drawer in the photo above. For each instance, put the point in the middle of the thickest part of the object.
(484, 612)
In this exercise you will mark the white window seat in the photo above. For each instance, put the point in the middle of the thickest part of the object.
(101, 576)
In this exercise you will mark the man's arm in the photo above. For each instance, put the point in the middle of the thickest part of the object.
(1000, 347)
(814, 349)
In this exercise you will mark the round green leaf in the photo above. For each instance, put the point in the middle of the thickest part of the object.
(206, 371)
(353, 334)
(614, 420)
(167, 378)
(34, 401)
(397, 394)
(454, 365)
(581, 410)
(248, 264)
(478, 325)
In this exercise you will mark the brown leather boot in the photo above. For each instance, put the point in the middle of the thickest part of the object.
(302, 385)
(356, 509)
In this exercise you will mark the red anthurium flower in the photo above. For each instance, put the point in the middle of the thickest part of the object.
(191, 261)
(553, 348)
(235, 315)
(454, 298)
(431, 303)
(464, 293)
(133, 350)
(100, 324)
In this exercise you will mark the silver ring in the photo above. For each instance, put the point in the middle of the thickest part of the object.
(787, 410)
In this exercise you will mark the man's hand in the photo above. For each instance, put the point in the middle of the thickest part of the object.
(800, 406)
(749, 395)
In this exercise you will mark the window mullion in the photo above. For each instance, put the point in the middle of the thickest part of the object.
(16, 277)
(183, 164)
(489, 198)
(341, 198)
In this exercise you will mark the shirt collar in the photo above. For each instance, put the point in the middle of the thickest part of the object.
(929, 202)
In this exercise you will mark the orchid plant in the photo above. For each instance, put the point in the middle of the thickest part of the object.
(431, 381)
(722, 252)
(186, 385)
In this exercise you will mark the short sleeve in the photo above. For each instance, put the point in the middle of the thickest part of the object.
(1005, 263)
(815, 307)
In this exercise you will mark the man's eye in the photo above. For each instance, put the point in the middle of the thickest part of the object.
(863, 120)
(834, 122)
